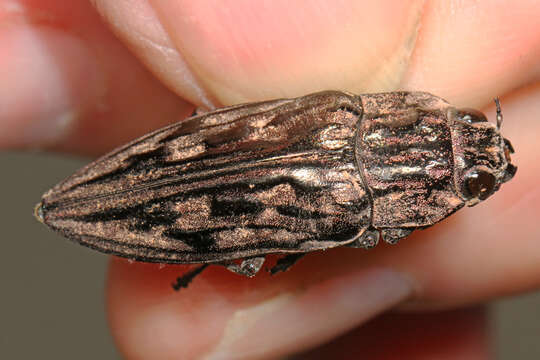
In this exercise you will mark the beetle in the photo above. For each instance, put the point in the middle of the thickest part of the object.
(286, 176)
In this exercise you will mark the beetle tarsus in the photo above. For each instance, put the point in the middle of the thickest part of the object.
(184, 280)
(248, 267)
(392, 236)
(368, 240)
(284, 263)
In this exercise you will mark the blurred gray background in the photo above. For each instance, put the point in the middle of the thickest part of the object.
(52, 304)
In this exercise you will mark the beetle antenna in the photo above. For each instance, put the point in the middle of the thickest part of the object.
(499, 113)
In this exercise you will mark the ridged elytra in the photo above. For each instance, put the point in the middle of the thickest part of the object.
(287, 176)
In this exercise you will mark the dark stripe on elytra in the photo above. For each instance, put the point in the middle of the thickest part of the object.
(145, 220)
(200, 164)
(423, 191)
(155, 185)
(204, 240)
(191, 126)
(300, 213)
(262, 245)
(232, 155)
(215, 141)
(246, 182)
(160, 217)
(156, 159)
(246, 186)
(173, 127)
(390, 149)
(180, 131)
(135, 162)
(165, 255)
(235, 207)
(205, 163)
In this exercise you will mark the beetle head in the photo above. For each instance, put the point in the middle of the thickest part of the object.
(481, 155)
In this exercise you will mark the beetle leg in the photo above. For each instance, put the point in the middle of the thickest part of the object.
(392, 236)
(284, 263)
(184, 280)
(368, 240)
(248, 267)
(199, 111)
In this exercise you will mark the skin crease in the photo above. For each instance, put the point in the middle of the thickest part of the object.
(100, 95)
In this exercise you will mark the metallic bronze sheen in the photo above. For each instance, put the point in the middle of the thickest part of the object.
(282, 176)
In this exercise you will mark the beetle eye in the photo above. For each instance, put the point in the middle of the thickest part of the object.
(471, 116)
(479, 184)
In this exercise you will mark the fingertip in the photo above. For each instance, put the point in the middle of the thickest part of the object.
(222, 314)
(49, 81)
(69, 85)
(282, 48)
(468, 52)
(148, 319)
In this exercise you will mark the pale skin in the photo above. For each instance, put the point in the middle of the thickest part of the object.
(100, 95)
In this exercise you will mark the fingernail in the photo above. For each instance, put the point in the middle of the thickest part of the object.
(295, 321)
(49, 78)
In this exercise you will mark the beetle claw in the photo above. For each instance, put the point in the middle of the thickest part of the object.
(248, 267)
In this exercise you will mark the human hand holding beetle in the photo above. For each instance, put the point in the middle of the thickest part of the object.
(476, 255)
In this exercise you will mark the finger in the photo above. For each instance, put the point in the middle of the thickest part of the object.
(246, 50)
(465, 52)
(457, 334)
(222, 315)
(471, 51)
(69, 84)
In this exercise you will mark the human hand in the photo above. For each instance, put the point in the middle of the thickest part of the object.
(82, 92)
